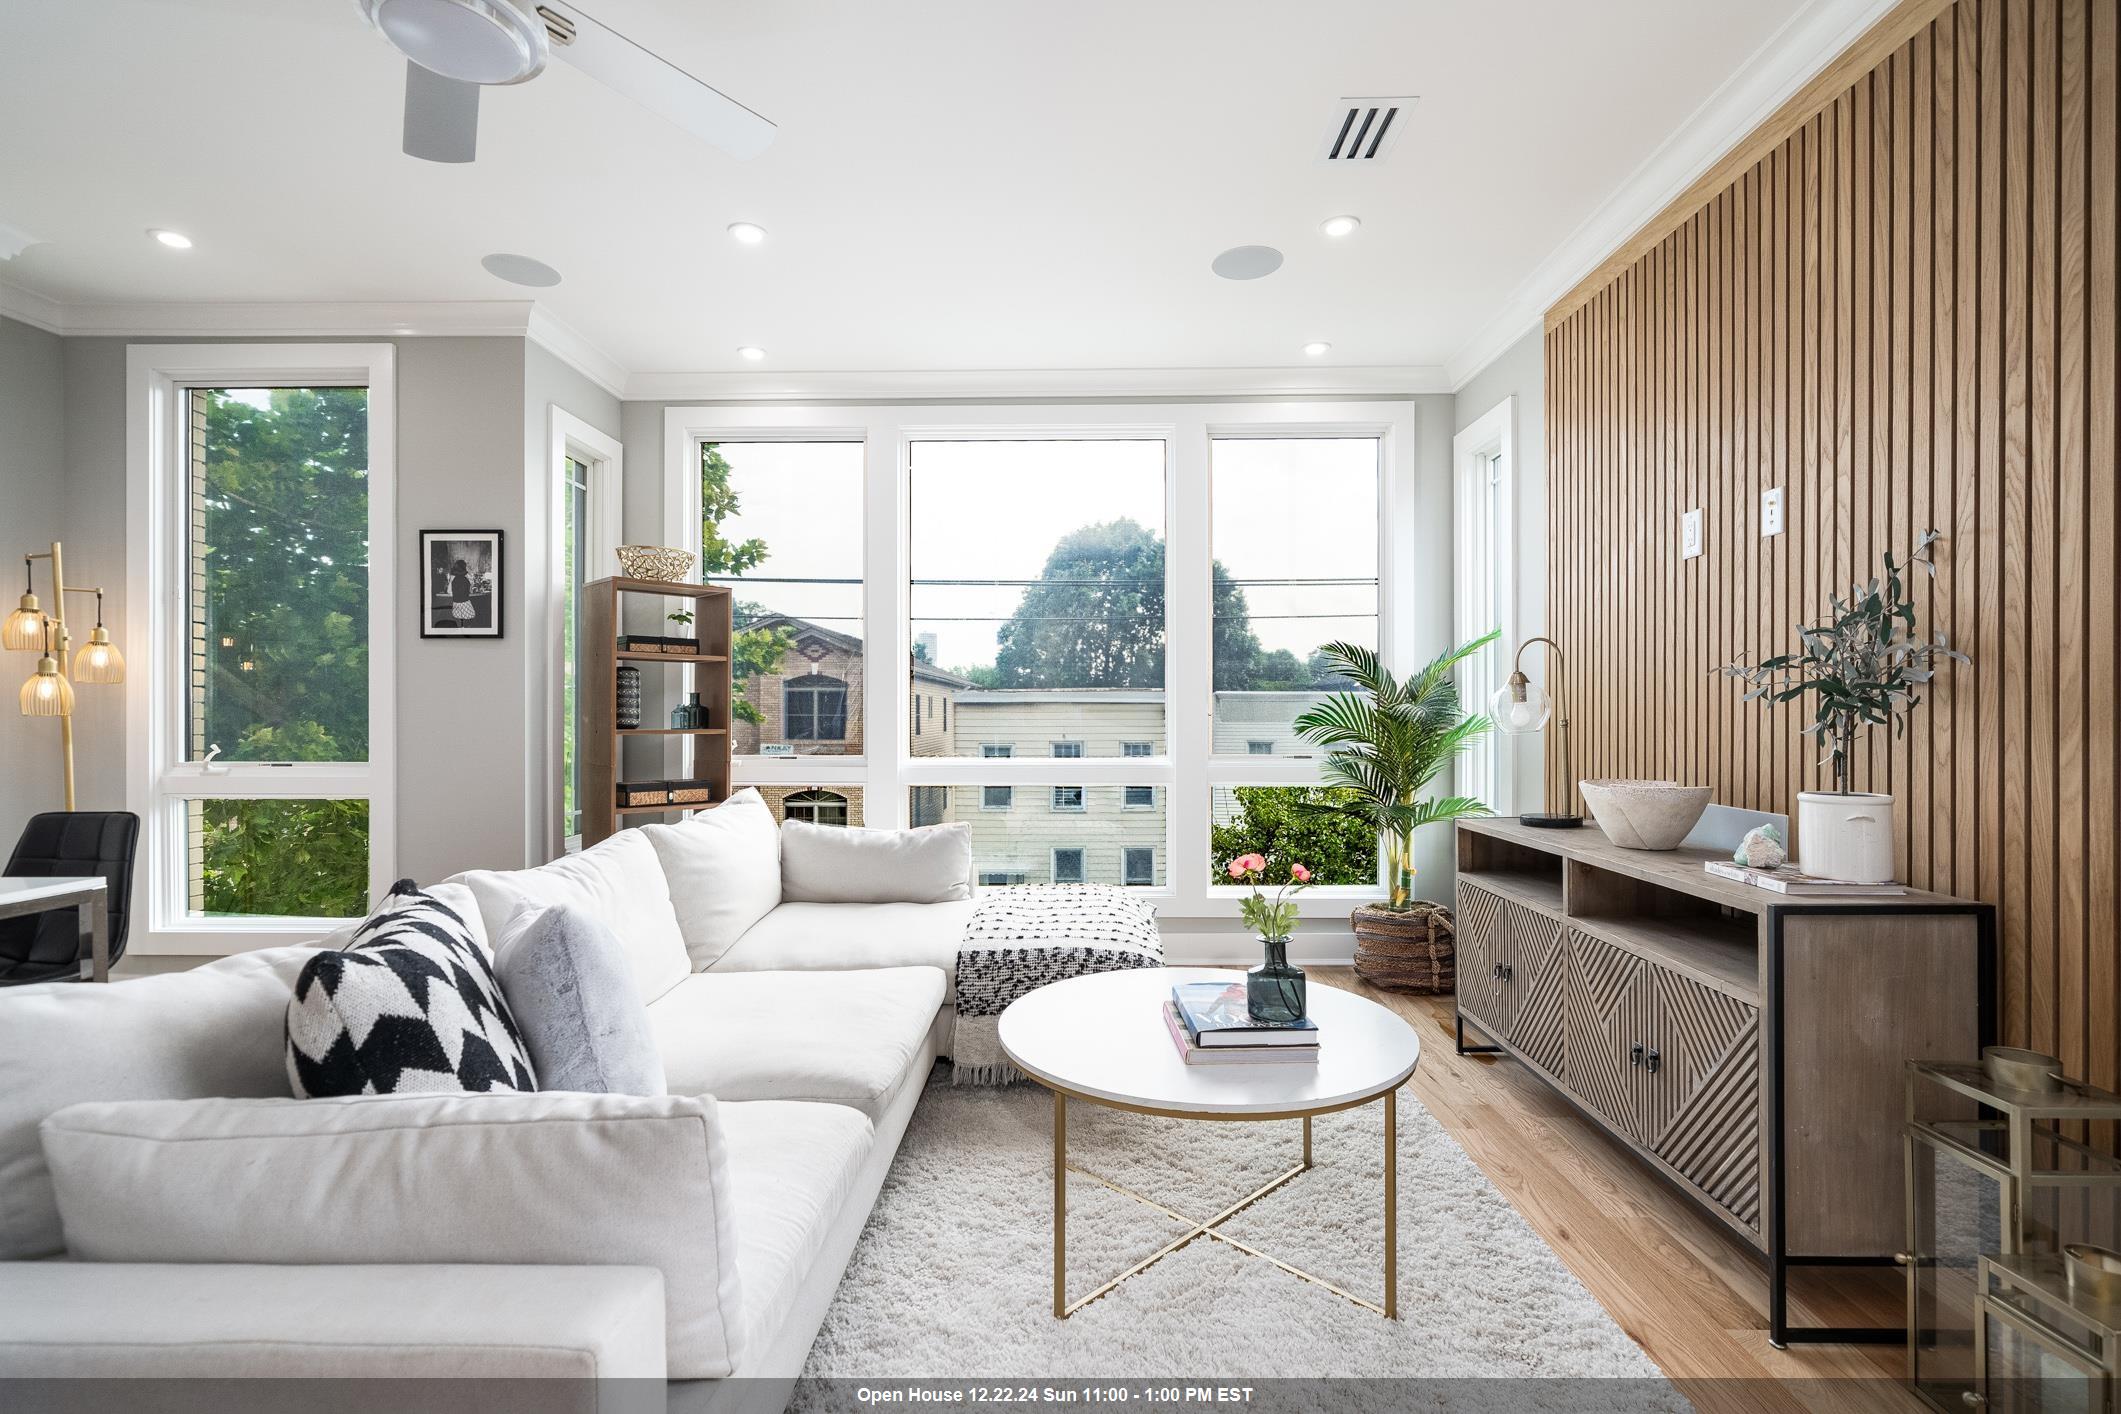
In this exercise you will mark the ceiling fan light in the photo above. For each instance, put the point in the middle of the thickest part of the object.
(472, 41)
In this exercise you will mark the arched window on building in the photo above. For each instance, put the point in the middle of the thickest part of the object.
(816, 807)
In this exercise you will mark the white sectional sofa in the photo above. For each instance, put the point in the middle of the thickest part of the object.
(165, 1209)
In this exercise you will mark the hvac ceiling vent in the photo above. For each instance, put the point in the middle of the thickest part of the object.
(1363, 129)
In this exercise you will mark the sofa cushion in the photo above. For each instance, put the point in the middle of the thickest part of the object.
(791, 1169)
(847, 1038)
(577, 1004)
(412, 1005)
(835, 864)
(226, 1320)
(214, 1030)
(618, 880)
(554, 1179)
(838, 937)
(724, 867)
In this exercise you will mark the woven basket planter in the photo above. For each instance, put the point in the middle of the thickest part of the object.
(1410, 951)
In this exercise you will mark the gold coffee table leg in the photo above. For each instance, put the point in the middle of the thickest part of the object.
(1060, 1204)
(1391, 1200)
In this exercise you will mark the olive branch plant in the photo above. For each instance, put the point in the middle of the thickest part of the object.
(1865, 666)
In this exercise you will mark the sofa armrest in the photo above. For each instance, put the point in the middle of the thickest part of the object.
(122, 1320)
(554, 1179)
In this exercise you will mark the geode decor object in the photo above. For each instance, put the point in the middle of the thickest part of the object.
(1762, 848)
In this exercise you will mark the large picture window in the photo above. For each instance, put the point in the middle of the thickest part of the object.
(1107, 619)
(263, 767)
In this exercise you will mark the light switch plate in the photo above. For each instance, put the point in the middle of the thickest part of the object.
(1771, 512)
(1690, 534)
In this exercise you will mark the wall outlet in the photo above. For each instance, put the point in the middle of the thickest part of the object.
(1771, 512)
(1690, 534)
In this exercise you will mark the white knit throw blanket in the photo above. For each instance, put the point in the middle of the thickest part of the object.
(1023, 937)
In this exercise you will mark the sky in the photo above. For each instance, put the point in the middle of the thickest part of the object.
(1282, 509)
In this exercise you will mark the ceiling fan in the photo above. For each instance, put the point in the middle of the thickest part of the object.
(457, 46)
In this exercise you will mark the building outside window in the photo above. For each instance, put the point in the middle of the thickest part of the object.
(1138, 867)
(1068, 798)
(814, 708)
(1259, 748)
(816, 807)
(1068, 866)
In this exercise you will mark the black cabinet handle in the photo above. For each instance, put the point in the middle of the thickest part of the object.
(1508, 972)
(1650, 1060)
(1635, 1054)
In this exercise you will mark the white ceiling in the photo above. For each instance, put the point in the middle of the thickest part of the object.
(956, 184)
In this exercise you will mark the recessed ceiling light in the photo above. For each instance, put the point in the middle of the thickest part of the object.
(745, 233)
(750, 354)
(520, 270)
(1317, 348)
(175, 240)
(1247, 262)
(1338, 226)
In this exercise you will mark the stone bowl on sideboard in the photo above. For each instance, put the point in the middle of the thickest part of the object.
(1645, 814)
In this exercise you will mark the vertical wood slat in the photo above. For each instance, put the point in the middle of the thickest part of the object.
(1905, 316)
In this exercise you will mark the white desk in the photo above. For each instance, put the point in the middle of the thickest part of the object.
(20, 894)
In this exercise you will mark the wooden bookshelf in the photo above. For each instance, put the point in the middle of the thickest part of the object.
(706, 672)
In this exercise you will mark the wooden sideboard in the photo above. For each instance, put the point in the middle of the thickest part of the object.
(1749, 1046)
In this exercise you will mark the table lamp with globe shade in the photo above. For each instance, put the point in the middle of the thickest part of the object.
(1518, 708)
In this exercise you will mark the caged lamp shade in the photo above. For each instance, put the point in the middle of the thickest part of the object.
(46, 694)
(99, 659)
(24, 628)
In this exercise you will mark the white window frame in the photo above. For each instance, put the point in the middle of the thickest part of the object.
(604, 461)
(1082, 863)
(1133, 849)
(1082, 800)
(1484, 597)
(159, 778)
(1127, 804)
(1413, 617)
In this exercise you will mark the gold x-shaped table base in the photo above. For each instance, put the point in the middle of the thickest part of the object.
(1211, 1227)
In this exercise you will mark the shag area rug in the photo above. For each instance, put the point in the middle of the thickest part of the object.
(952, 1279)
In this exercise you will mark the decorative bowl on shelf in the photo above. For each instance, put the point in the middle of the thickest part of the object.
(656, 562)
(1645, 814)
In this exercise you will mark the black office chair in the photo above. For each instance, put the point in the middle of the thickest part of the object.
(47, 947)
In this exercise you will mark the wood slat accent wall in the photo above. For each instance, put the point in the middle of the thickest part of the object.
(1905, 314)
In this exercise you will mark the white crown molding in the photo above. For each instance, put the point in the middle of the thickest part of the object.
(1813, 38)
(1016, 384)
(32, 308)
(563, 342)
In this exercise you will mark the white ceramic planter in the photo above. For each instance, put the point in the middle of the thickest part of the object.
(1845, 836)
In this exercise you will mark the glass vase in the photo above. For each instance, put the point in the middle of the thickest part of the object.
(1274, 990)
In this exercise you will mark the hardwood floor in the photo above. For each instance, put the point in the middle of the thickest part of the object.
(1675, 1280)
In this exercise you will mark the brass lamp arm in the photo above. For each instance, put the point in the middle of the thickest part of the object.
(1561, 710)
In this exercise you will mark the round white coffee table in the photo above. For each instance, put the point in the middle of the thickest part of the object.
(1104, 1039)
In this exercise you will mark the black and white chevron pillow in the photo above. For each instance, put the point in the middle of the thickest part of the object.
(410, 1005)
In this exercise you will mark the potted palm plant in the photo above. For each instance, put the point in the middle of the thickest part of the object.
(1865, 667)
(1385, 744)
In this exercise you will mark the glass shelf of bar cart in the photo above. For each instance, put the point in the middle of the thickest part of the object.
(1993, 1170)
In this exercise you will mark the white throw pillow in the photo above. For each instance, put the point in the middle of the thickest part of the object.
(220, 1029)
(724, 867)
(834, 864)
(549, 1179)
(619, 881)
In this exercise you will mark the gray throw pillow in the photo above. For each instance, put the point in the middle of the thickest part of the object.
(574, 997)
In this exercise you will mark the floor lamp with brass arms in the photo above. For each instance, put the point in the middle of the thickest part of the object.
(1519, 708)
(48, 693)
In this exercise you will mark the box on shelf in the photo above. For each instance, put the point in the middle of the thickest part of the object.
(644, 792)
(691, 793)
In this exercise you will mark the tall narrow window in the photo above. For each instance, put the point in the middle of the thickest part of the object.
(574, 561)
(262, 770)
(781, 524)
(1483, 570)
(1294, 532)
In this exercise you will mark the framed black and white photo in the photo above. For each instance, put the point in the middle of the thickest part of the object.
(460, 583)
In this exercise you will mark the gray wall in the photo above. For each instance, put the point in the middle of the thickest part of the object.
(33, 510)
(1521, 372)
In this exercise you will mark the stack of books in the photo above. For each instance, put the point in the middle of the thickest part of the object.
(1787, 880)
(1211, 1025)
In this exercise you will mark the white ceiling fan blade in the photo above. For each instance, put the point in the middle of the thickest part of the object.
(656, 84)
(441, 116)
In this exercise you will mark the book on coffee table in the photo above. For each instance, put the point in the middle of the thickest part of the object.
(1216, 1014)
(1232, 1055)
